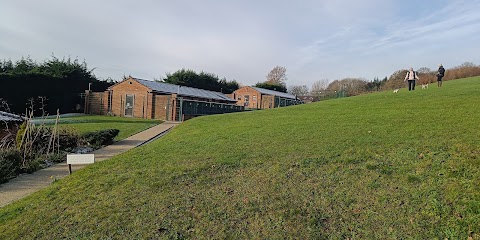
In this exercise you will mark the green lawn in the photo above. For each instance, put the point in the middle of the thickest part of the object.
(376, 166)
(127, 126)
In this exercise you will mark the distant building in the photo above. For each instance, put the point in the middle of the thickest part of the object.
(140, 98)
(259, 98)
(309, 99)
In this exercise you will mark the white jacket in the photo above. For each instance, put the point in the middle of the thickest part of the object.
(411, 75)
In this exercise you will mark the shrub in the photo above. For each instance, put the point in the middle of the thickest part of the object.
(39, 161)
(101, 137)
(10, 162)
(40, 138)
(57, 157)
(41, 143)
(20, 133)
(68, 139)
(37, 141)
(32, 165)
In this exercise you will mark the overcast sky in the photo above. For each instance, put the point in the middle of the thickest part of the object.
(244, 40)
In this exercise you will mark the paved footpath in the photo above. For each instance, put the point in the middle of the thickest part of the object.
(27, 184)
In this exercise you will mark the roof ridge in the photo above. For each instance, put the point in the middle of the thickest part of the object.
(150, 84)
(274, 91)
(177, 85)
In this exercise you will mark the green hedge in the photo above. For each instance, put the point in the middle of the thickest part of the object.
(100, 138)
(10, 163)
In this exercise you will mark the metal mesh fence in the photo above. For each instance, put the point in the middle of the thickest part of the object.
(189, 108)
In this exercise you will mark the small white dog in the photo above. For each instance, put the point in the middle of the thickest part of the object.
(424, 86)
(396, 90)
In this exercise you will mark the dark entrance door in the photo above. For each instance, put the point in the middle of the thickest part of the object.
(129, 105)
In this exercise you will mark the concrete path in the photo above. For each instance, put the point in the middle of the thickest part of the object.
(27, 184)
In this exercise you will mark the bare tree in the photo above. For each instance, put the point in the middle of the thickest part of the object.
(426, 75)
(467, 65)
(424, 70)
(355, 86)
(318, 87)
(351, 86)
(278, 75)
(467, 69)
(298, 90)
(336, 85)
(396, 80)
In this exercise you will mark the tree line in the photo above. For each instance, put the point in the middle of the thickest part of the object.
(50, 85)
(59, 83)
(202, 80)
(275, 80)
(355, 86)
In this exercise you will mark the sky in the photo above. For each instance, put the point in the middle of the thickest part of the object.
(244, 40)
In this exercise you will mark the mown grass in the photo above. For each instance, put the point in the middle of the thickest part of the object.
(91, 123)
(377, 166)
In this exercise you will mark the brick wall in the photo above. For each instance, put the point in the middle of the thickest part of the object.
(142, 100)
(162, 106)
(150, 105)
(254, 97)
(268, 101)
(96, 103)
(106, 101)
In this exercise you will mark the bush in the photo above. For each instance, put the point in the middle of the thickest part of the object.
(101, 137)
(57, 157)
(44, 161)
(38, 147)
(20, 133)
(32, 165)
(10, 162)
(68, 139)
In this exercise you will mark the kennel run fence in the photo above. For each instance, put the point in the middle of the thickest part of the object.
(187, 109)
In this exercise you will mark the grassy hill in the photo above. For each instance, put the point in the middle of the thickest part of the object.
(377, 166)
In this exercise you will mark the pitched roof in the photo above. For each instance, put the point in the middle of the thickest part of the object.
(10, 117)
(276, 93)
(183, 91)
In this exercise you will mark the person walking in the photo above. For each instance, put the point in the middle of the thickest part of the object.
(440, 74)
(411, 77)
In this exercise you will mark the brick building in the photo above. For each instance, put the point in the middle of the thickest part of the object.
(140, 98)
(260, 98)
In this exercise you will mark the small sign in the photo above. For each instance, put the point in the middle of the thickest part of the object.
(80, 158)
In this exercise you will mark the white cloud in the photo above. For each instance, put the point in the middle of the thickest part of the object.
(243, 40)
(367, 50)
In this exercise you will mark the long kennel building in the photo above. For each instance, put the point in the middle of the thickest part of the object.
(141, 98)
(260, 98)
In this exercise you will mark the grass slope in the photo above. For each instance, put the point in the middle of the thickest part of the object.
(377, 166)
(127, 126)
